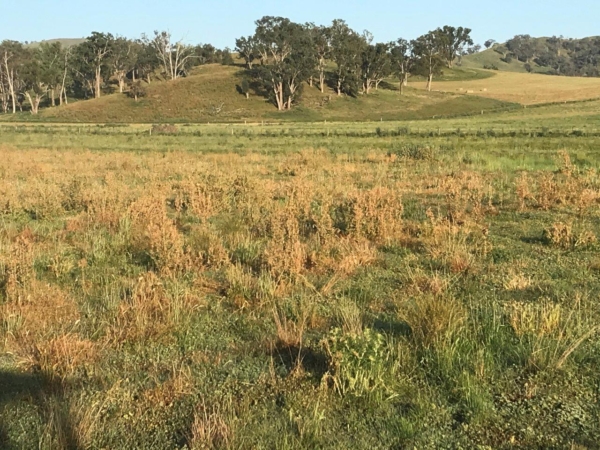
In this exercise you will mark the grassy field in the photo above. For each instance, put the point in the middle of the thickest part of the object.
(525, 89)
(427, 284)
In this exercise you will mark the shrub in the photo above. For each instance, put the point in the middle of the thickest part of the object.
(423, 152)
(164, 129)
(491, 67)
(136, 90)
(245, 88)
(356, 361)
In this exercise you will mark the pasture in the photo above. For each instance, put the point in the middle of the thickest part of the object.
(524, 88)
(425, 284)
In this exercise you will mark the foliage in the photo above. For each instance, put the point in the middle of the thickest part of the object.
(137, 90)
(287, 59)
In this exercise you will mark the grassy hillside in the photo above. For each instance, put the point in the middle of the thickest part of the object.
(198, 97)
(491, 57)
(210, 94)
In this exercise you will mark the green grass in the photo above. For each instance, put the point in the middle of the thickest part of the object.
(456, 333)
(491, 57)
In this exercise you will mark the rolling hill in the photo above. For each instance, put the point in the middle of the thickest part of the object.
(490, 57)
(210, 94)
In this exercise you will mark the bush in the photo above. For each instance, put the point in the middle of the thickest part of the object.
(136, 90)
(226, 58)
(245, 88)
(164, 129)
(356, 361)
(491, 67)
(417, 152)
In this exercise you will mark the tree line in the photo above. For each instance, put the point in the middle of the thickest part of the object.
(557, 55)
(51, 72)
(281, 57)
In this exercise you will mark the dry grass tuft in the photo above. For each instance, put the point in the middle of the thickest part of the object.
(433, 320)
(211, 429)
(146, 314)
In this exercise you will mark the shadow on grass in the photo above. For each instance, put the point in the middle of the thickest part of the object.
(45, 394)
(536, 240)
(311, 360)
(392, 326)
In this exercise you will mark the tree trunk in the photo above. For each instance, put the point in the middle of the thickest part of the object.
(121, 78)
(429, 81)
(339, 88)
(97, 83)
(11, 86)
(310, 81)
(278, 91)
(34, 102)
(149, 78)
(247, 95)
(64, 93)
(52, 97)
(322, 81)
(63, 90)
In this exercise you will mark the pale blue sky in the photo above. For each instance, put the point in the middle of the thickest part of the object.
(220, 22)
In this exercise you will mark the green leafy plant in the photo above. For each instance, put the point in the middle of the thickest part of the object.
(357, 361)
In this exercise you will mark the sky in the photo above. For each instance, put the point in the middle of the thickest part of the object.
(221, 22)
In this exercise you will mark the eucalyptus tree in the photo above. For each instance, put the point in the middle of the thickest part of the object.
(288, 58)
(246, 48)
(402, 60)
(37, 77)
(175, 56)
(376, 65)
(51, 58)
(123, 60)
(452, 42)
(346, 50)
(429, 59)
(11, 55)
(147, 61)
(320, 38)
(92, 61)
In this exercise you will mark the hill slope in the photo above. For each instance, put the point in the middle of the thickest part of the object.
(210, 95)
(490, 57)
